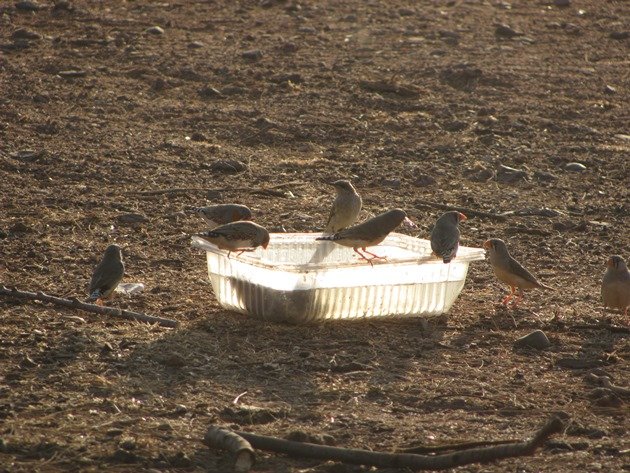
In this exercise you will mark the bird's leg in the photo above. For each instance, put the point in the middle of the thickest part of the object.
(508, 298)
(373, 255)
(519, 298)
(356, 250)
(99, 302)
(240, 252)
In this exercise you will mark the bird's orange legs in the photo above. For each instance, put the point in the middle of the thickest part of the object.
(369, 260)
(508, 298)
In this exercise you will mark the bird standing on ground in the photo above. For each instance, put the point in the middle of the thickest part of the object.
(370, 233)
(445, 235)
(510, 271)
(107, 275)
(616, 285)
(220, 214)
(238, 236)
(346, 207)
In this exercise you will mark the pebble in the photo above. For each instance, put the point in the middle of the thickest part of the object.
(23, 33)
(28, 5)
(393, 183)
(545, 176)
(132, 218)
(252, 55)
(127, 443)
(424, 180)
(508, 174)
(210, 92)
(619, 35)
(537, 339)
(228, 166)
(156, 30)
(575, 167)
(71, 74)
(506, 31)
(610, 90)
(196, 45)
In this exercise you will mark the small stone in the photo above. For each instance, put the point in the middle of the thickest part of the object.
(506, 31)
(619, 35)
(71, 74)
(537, 340)
(180, 409)
(610, 90)
(28, 5)
(424, 180)
(393, 183)
(210, 92)
(63, 5)
(252, 55)
(228, 166)
(127, 443)
(289, 47)
(196, 45)
(23, 33)
(575, 167)
(114, 432)
(132, 218)
(198, 136)
(19, 227)
(545, 176)
(156, 30)
(406, 12)
(508, 174)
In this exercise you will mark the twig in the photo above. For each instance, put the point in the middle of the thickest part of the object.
(74, 303)
(218, 437)
(186, 190)
(403, 460)
(464, 210)
(425, 449)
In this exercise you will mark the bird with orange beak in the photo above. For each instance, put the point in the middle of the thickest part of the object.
(238, 236)
(616, 285)
(445, 235)
(510, 271)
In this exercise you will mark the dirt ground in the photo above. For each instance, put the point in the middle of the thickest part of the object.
(263, 103)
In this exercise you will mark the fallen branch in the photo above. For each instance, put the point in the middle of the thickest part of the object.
(74, 303)
(464, 210)
(425, 449)
(224, 439)
(402, 460)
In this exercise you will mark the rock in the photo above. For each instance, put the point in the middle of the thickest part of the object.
(393, 183)
(545, 176)
(508, 174)
(575, 167)
(27, 155)
(132, 218)
(228, 166)
(19, 227)
(127, 443)
(196, 45)
(210, 92)
(424, 180)
(537, 340)
(63, 5)
(619, 35)
(71, 74)
(610, 90)
(289, 47)
(28, 5)
(156, 30)
(23, 33)
(506, 31)
(252, 55)
(406, 12)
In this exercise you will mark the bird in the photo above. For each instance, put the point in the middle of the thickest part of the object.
(346, 207)
(369, 233)
(220, 214)
(445, 235)
(510, 271)
(107, 274)
(238, 236)
(616, 285)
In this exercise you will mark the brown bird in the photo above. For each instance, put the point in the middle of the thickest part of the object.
(510, 271)
(346, 207)
(220, 214)
(238, 236)
(370, 233)
(107, 274)
(616, 285)
(445, 235)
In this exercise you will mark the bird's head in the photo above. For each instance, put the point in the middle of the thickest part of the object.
(495, 245)
(342, 185)
(113, 252)
(616, 262)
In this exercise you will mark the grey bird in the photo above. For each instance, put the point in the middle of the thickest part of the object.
(238, 236)
(107, 274)
(445, 235)
(510, 271)
(616, 285)
(220, 214)
(346, 207)
(370, 233)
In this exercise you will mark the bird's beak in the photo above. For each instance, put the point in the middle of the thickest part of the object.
(462, 217)
(408, 223)
(487, 245)
(265, 245)
(610, 263)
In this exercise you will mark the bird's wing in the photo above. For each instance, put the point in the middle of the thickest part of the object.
(517, 269)
(106, 275)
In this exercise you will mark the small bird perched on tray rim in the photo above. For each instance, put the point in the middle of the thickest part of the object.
(107, 274)
(510, 271)
(445, 235)
(237, 236)
(346, 207)
(220, 214)
(616, 285)
(370, 233)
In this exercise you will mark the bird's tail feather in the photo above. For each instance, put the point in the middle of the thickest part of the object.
(328, 237)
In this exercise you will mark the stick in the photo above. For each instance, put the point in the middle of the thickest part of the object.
(405, 460)
(186, 190)
(464, 210)
(218, 437)
(74, 303)
(425, 449)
